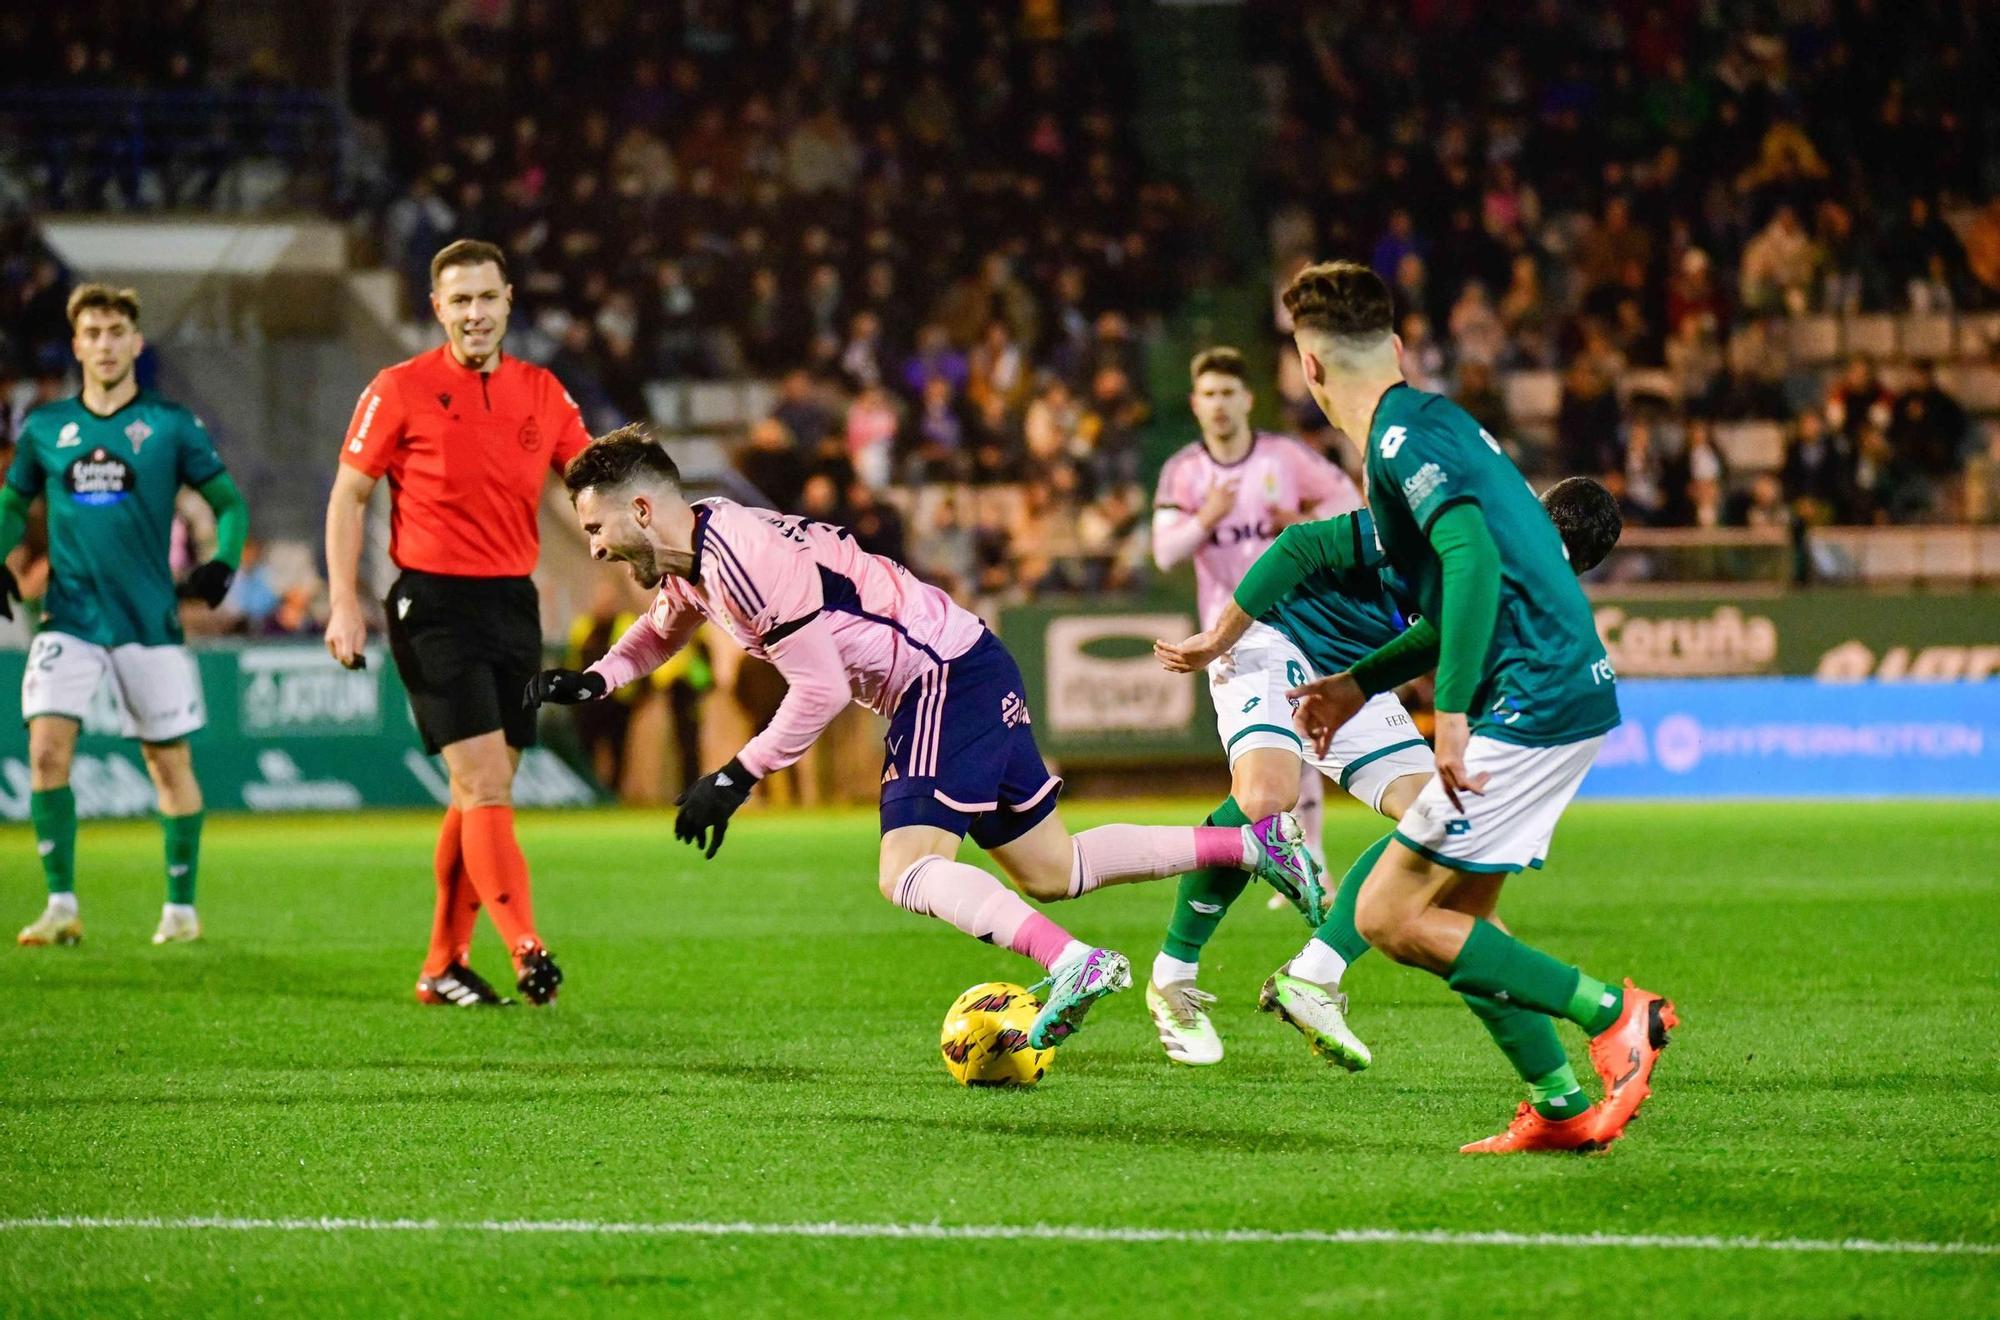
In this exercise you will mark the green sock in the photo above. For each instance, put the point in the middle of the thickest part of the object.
(183, 855)
(53, 811)
(1498, 966)
(1528, 1039)
(1205, 895)
(1595, 1005)
(1337, 931)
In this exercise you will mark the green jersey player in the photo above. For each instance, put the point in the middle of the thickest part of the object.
(1322, 586)
(109, 464)
(1524, 698)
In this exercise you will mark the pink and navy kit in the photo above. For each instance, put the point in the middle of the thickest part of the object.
(841, 624)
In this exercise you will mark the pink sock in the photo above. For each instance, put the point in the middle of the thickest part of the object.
(979, 905)
(1111, 853)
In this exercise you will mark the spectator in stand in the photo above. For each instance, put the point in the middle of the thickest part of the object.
(1927, 429)
(1587, 421)
(872, 425)
(876, 524)
(1423, 356)
(1887, 486)
(939, 451)
(1479, 394)
(934, 357)
(1982, 252)
(1859, 397)
(803, 410)
(1765, 505)
(1477, 336)
(1818, 473)
(1645, 471)
(1779, 265)
(770, 461)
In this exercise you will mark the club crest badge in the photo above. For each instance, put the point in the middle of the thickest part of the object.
(138, 433)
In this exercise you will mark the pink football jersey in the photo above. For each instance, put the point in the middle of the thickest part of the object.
(1278, 475)
(862, 623)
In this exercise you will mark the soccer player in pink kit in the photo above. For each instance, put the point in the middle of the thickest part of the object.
(841, 624)
(1222, 501)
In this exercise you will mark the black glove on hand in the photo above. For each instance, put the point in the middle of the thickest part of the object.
(207, 583)
(10, 591)
(709, 802)
(565, 687)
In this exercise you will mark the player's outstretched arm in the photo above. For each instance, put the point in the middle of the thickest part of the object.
(1298, 552)
(13, 526)
(346, 517)
(816, 690)
(209, 582)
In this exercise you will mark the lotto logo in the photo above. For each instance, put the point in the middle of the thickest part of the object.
(1454, 828)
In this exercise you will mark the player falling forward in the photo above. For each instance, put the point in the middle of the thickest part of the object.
(841, 624)
(1317, 585)
(1525, 696)
(1221, 501)
(110, 463)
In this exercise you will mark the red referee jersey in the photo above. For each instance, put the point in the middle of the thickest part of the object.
(466, 454)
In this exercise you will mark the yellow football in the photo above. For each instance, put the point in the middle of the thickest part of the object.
(985, 1037)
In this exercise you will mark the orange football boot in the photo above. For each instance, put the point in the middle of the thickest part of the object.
(1531, 1132)
(1624, 1055)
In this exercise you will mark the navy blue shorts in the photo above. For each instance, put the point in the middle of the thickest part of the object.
(960, 754)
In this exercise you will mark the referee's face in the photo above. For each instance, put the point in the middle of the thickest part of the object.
(472, 303)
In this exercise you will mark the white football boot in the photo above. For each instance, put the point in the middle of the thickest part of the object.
(1180, 1015)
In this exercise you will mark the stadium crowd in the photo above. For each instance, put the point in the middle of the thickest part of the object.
(1639, 198)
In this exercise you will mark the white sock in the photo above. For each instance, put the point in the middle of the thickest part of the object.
(1167, 970)
(1318, 963)
(63, 903)
(177, 909)
(1072, 951)
(1253, 851)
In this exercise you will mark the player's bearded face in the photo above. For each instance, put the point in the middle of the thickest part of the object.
(106, 344)
(625, 529)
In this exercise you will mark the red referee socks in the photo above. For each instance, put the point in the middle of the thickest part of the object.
(457, 900)
(499, 873)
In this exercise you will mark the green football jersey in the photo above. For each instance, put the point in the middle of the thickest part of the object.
(1337, 618)
(1547, 679)
(111, 483)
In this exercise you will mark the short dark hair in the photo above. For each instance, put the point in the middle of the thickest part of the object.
(617, 457)
(1342, 298)
(1222, 360)
(467, 252)
(1587, 517)
(102, 298)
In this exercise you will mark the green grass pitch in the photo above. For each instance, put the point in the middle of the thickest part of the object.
(754, 1040)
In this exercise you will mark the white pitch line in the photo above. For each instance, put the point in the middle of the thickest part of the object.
(1014, 1232)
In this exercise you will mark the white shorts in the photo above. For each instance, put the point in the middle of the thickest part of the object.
(1508, 827)
(1374, 749)
(155, 689)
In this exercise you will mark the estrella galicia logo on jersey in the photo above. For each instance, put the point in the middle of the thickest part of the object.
(138, 433)
(99, 477)
(1423, 484)
(70, 436)
(531, 434)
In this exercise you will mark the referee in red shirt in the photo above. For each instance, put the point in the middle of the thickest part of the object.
(467, 437)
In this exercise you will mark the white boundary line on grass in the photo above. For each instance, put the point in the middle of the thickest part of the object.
(1010, 1232)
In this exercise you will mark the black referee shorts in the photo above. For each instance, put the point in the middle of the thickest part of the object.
(466, 648)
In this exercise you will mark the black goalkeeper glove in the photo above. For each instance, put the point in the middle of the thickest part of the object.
(10, 591)
(565, 687)
(708, 803)
(207, 583)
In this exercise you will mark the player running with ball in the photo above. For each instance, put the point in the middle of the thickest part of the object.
(1222, 501)
(1525, 696)
(841, 624)
(109, 463)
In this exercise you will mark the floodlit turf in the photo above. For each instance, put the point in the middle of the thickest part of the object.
(754, 1039)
